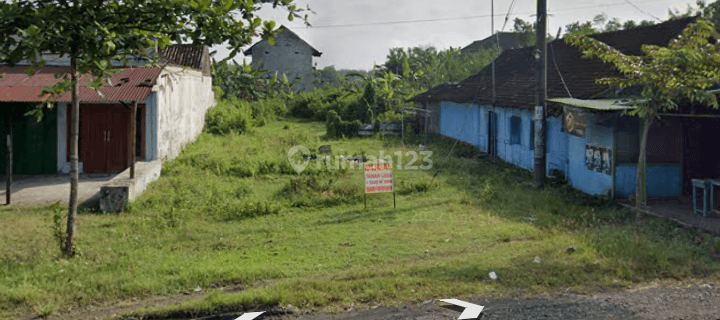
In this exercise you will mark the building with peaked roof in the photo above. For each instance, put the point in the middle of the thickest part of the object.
(290, 55)
(591, 144)
(504, 40)
(171, 104)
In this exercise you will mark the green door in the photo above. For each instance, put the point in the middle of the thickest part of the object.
(34, 144)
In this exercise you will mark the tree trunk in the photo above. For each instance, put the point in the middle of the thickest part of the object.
(69, 249)
(639, 177)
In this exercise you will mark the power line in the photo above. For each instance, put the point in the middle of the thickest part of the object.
(641, 10)
(361, 24)
(507, 16)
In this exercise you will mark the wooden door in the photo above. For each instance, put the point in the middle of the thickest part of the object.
(117, 122)
(93, 133)
(103, 130)
(492, 133)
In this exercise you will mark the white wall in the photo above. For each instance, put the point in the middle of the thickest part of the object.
(63, 166)
(289, 55)
(181, 99)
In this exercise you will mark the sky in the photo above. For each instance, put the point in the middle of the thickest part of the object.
(356, 34)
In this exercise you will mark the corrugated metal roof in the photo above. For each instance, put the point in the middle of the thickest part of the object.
(599, 104)
(131, 84)
(184, 55)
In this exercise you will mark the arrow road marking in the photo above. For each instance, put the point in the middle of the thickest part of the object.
(250, 315)
(472, 311)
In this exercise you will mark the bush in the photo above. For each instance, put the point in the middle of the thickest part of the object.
(230, 115)
(338, 128)
(264, 111)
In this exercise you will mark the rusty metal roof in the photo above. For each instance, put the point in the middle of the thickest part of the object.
(184, 55)
(131, 84)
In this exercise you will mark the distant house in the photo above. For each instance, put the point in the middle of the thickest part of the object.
(589, 141)
(505, 40)
(290, 55)
(172, 101)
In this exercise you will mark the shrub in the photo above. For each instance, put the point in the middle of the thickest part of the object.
(230, 115)
(338, 128)
(264, 111)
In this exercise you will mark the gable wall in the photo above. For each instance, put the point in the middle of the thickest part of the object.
(289, 55)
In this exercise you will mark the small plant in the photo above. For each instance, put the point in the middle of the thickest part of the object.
(58, 228)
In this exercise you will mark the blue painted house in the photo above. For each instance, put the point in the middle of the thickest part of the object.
(589, 141)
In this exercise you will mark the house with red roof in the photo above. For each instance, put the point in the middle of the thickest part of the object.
(170, 103)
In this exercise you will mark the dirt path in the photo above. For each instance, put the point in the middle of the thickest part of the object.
(670, 300)
(697, 302)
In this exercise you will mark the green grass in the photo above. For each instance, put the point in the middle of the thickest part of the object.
(230, 211)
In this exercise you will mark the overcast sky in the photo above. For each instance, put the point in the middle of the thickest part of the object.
(355, 34)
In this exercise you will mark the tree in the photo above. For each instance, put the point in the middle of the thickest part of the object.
(527, 30)
(93, 33)
(683, 71)
(709, 11)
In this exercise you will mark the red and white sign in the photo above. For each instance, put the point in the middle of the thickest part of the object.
(378, 178)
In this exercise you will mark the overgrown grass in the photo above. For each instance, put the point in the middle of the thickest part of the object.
(231, 211)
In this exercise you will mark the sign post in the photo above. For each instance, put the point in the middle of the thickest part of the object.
(378, 179)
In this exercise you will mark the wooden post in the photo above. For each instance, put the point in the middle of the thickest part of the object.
(133, 128)
(8, 172)
(365, 200)
(394, 199)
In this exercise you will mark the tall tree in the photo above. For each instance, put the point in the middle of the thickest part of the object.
(93, 33)
(683, 71)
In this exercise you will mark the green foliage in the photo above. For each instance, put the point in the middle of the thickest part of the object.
(339, 128)
(233, 115)
(684, 70)
(230, 115)
(247, 83)
(316, 192)
(426, 67)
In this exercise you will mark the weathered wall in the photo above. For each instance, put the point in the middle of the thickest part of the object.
(176, 111)
(469, 123)
(63, 165)
(459, 121)
(289, 55)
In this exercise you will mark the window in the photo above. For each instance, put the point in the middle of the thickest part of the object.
(532, 135)
(515, 130)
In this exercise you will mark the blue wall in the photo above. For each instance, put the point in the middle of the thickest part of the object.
(460, 121)
(663, 181)
(580, 177)
(454, 116)
(565, 152)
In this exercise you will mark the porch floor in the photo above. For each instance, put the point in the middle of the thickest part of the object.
(681, 211)
(40, 190)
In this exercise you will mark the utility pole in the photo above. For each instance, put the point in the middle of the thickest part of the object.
(541, 76)
(492, 30)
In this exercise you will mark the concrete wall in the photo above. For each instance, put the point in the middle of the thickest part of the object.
(460, 122)
(663, 181)
(176, 111)
(63, 165)
(290, 55)
(469, 123)
(580, 177)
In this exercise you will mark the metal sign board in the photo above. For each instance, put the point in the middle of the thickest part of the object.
(574, 121)
(378, 178)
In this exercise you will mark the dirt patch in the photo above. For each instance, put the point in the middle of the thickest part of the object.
(690, 299)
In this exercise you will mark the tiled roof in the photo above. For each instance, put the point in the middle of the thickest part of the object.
(184, 55)
(515, 70)
(131, 84)
(506, 40)
(315, 52)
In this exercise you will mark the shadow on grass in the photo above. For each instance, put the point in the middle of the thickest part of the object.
(361, 214)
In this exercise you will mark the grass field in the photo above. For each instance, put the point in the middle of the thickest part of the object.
(230, 211)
